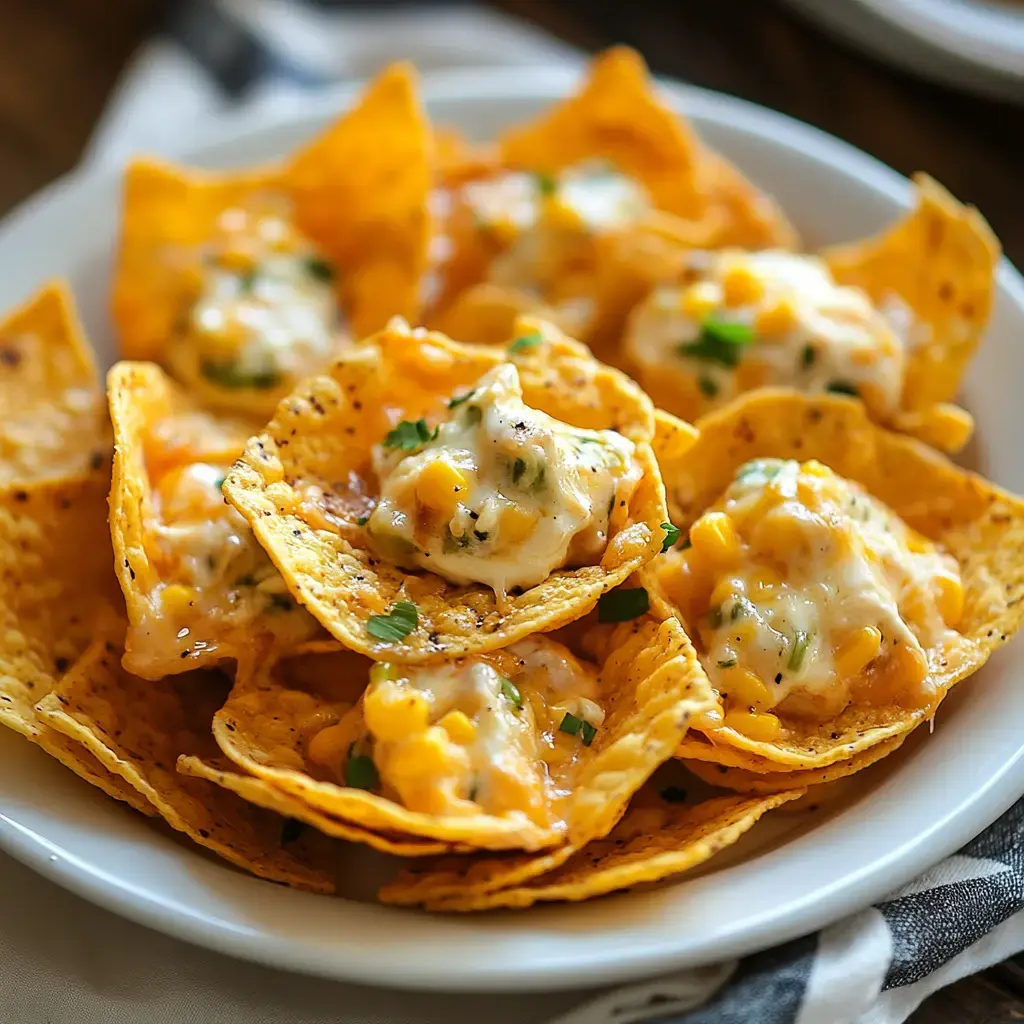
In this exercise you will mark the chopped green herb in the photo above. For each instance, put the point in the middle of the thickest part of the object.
(767, 468)
(842, 387)
(728, 663)
(798, 651)
(360, 771)
(511, 693)
(708, 388)
(474, 414)
(246, 280)
(454, 403)
(362, 520)
(673, 795)
(808, 356)
(570, 724)
(227, 375)
(671, 536)
(623, 604)
(409, 435)
(320, 269)
(741, 607)
(291, 829)
(546, 183)
(396, 625)
(518, 469)
(525, 342)
(280, 603)
(719, 342)
(587, 733)
(715, 616)
(539, 481)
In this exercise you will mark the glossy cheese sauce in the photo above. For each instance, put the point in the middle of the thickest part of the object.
(770, 318)
(263, 307)
(502, 494)
(482, 734)
(807, 594)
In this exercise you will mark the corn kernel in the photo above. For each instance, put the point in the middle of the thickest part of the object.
(949, 596)
(459, 727)
(560, 215)
(724, 589)
(746, 688)
(329, 745)
(516, 524)
(176, 599)
(776, 320)
(714, 537)
(395, 712)
(741, 287)
(857, 650)
(700, 300)
(761, 727)
(440, 486)
(429, 753)
(947, 427)
(908, 665)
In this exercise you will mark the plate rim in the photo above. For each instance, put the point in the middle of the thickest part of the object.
(853, 892)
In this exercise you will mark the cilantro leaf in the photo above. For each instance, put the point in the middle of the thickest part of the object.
(622, 605)
(671, 536)
(524, 342)
(409, 435)
(396, 625)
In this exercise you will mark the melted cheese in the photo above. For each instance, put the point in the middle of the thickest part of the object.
(481, 734)
(793, 325)
(504, 494)
(263, 309)
(808, 594)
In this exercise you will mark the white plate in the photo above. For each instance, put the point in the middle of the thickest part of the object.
(971, 44)
(792, 877)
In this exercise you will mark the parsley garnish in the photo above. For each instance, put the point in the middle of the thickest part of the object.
(546, 183)
(227, 375)
(525, 342)
(511, 693)
(808, 356)
(588, 732)
(454, 403)
(360, 771)
(396, 625)
(719, 342)
(842, 387)
(671, 536)
(708, 388)
(320, 269)
(728, 663)
(362, 520)
(798, 651)
(246, 280)
(409, 435)
(622, 605)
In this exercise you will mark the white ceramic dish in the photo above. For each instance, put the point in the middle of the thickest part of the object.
(976, 45)
(788, 879)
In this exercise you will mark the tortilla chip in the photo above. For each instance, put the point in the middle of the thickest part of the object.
(745, 780)
(359, 192)
(486, 314)
(653, 841)
(456, 159)
(157, 427)
(940, 260)
(981, 525)
(137, 728)
(263, 794)
(57, 592)
(266, 723)
(54, 424)
(322, 437)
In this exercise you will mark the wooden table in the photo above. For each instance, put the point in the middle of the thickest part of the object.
(59, 59)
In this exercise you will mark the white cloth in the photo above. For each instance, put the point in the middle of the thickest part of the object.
(67, 962)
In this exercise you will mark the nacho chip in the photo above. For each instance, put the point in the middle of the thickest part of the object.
(298, 736)
(137, 728)
(939, 262)
(745, 780)
(653, 841)
(346, 214)
(54, 424)
(978, 524)
(57, 592)
(307, 488)
(198, 587)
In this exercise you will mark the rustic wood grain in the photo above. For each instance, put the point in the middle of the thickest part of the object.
(59, 60)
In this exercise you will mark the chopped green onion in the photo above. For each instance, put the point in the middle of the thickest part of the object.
(673, 795)
(454, 403)
(715, 616)
(538, 481)
(798, 651)
(246, 280)
(291, 829)
(719, 342)
(742, 606)
(842, 387)
(808, 356)
(570, 724)
(360, 771)
(511, 693)
(227, 375)
(320, 269)
(396, 625)
(623, 604)
(587, 733)
(708, 388)
(525, 342)
(672, 533)
(518, 469)
(409, 435)
(547, 185)
(767, 468)
(362, 520)
(728, 663)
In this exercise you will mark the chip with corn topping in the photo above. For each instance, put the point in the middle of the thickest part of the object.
(425, 499)
(243, 283)
(835, 599)
(53, 422)
(197, 585)
(523, 748)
